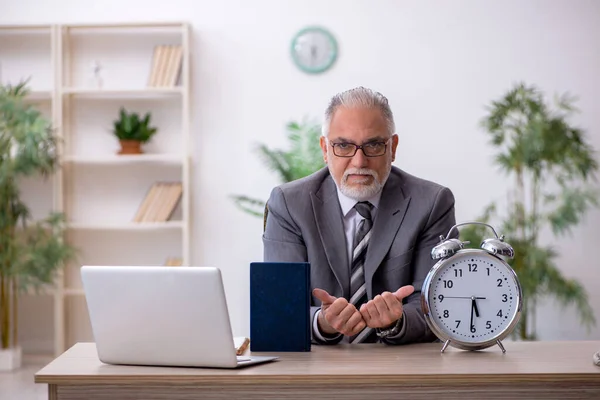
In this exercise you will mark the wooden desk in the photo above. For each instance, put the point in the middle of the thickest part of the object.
(549, 370)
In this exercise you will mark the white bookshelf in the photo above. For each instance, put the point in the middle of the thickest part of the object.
(99, 190)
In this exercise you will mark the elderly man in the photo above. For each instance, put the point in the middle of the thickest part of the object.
(365, 226)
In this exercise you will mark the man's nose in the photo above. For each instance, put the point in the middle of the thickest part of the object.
(359, 160)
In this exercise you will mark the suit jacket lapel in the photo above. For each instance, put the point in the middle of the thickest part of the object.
(328, 217)
(392, 208)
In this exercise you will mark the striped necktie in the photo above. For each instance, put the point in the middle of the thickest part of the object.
(358, 289)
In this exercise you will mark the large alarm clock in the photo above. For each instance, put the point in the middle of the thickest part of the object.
(471, 297)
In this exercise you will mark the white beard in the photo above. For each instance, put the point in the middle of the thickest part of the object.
(362, 192)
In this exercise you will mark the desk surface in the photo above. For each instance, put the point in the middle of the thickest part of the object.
(539, 362)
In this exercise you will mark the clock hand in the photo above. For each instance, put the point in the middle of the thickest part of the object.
(475, 307)
(463, 297)
(472, 308)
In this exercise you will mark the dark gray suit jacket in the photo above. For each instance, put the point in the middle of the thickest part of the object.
(305, 223)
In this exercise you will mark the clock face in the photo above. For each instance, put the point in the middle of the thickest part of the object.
(314, 50)
(473, 297)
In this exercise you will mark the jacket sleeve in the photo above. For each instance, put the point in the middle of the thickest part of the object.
(282, 238)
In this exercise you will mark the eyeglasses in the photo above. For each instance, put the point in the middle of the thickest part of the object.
(370, 149)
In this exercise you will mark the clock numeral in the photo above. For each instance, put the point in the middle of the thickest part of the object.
(473, 330)
(488, 271)
(457, 322)
(458, 273)
(448, 284)
(499, 282)
(441, 297)
(446, 313)
(488, 325)
(499, 313)
(472, 267)
(504, 298)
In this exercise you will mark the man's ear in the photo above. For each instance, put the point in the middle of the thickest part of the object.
(323, 142)
(394, 146)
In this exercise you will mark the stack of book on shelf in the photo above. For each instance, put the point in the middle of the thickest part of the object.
(160, 202)
(166, 66)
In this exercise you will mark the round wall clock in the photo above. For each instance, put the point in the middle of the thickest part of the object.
(314, 50)
(471, 298)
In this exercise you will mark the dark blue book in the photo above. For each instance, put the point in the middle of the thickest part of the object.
(280, 306)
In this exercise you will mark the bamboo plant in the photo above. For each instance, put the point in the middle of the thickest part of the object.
(552, 168)
(301, 159)
(31, 252)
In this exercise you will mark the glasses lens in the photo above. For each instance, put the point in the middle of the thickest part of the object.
(374, 149)
(344, 149)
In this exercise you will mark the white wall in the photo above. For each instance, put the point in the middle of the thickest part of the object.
(438, 62)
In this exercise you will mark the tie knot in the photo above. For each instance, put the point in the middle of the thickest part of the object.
(364, 209)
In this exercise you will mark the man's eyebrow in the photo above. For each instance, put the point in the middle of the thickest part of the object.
(341, 139)
(376, 139)
(370, 140)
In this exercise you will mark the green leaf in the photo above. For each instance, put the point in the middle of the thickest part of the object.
(570, 206)
(252, 206)
(275, 160)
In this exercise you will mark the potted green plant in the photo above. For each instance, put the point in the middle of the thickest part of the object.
(301, 159)
(31, 252)
(552, 166)
(133, 131)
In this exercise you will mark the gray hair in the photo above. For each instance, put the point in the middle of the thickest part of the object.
(359, 97)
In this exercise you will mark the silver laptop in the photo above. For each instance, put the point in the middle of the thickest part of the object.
(170, 316)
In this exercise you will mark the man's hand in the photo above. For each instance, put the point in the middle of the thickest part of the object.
(337, 315)
(385, 309)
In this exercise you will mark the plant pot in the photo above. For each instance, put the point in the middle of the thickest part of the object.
(10, 359)
(130, 147)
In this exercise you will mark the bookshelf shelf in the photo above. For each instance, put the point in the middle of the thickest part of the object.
(125, 159)
(37, 95)
(40, 292)
(74, 292)
(129, 226)
(81, 75)
(26, 29)
(129, 27)
(145, 93)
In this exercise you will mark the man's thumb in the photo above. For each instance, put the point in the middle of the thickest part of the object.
(322, 295)
(404, 291)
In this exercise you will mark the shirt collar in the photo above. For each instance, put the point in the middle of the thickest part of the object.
(347, 203)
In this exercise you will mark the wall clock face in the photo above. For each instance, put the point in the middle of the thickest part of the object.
(314, 50)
